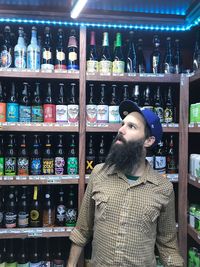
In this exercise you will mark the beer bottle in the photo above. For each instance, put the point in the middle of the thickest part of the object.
(20, 51)
(22, 255)
(156, 56)
(92, 56)
(177, 58)
(102, 106)
(47, 54)
(10, 157)
(118, 60)
(6, 55)
(169, 107)
(47, 255)
(48, 208)
(58, 257)
(147, 99)
(61, 208)
(2, 209)
(71, 211)
(150, 157)
(102, 150)
(24, 104)
(33, 52)
(2, 105)
(2, 155)
(2, 253)
(60, 62)
(49, 106)
(160, 159)
(158, 105)
(141, 62)
(105, 64)
(72, 52)
(10, 253)
(196, 53)
(37, 114)
(171, 157)
(12, 107)
(73, 107)
(135, 96)
(23, 158)
(113, 109)
(23, 209)
(168, 58)
(35, 255)
(72, 159)
(60, 157)
(91, 107)
(35, 157)
(10, 208)
(90, 155)
(61, 105)
(35, 209)
(48, 160)
(131, 60)
(125, 94)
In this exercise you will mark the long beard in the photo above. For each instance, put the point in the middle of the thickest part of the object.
(127, 156)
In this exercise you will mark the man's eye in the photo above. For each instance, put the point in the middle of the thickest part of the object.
(132, 126)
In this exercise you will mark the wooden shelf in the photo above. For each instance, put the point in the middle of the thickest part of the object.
(35, 232)
(138, 78)
(194, 234)
(194, 128)
(195, 76)
(192, 181)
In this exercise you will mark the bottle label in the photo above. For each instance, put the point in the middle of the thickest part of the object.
(113, 114)
(171, 164)
(23, 264)
(12, 264)
(102, 113)
(49, 113)
(61, 113)
(73, 113)
(48, 166)
(105, 67)
(47, 55)
(34, 216)
(23, 219)
(155, 64)
(5, 59)
(3, 264)
(160, 164)
(24, 113)
(20, 59)
(92, 66)
(33, 59)
(23, 166)
(168, 115)
(59, 165)
(159, 111)
(1, 218)
(10, 220)
(10, 166)
(71, 217)
(151, 161)
(60, 55)
(91, 113)
(12, 112)
(36, 264)
(60, 213)
(2, 112)
(1, 166)
(90, 164)
(72, 165)
(48, 217)
(118, 67)
(37, 114)
(36, 166)
(72, 56)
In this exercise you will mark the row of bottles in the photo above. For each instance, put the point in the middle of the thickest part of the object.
(28, 105)
(38, 206)
(37, 54)
(34, 252)
(103, 105)
(53, 157)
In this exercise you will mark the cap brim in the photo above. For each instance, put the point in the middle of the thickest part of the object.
(127, 107)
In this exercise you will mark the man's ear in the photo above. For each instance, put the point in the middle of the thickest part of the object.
(149, 141)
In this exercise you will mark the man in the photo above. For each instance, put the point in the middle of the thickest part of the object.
(128, 207)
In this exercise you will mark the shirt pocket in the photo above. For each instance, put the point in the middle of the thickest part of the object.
(101, 202)
(149, 220)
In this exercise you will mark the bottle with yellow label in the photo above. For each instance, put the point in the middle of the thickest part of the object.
(35, 209)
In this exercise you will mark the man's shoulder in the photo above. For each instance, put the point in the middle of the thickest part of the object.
(99, 172)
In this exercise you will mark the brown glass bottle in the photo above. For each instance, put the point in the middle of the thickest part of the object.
(171, 157)
(48, 160)
(71, 211)
(61, 208)
(49, 106)
(10, 157)
(23, 208)
(10, 208)
(48, 208)
(90, 155)
(23, 158)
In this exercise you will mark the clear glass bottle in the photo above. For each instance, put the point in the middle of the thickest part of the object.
(33, 52)
(20, 51)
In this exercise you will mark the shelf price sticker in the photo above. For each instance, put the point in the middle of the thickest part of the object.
(59, 229)
(47, 230)
(173, 177)
(21, 177)
(53, 179)
(34, 177)
(8, 178)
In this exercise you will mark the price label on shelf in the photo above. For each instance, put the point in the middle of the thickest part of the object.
(8, 178)
(18, 177)
(59, 229)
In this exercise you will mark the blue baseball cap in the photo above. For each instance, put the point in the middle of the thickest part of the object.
(150, 117)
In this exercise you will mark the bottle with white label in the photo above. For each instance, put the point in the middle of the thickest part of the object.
(20, 51)
(47, 55)
(61, 105)
(33, 52)
(73, 107)
(102, 106)
(114, 106)
(91, 107)
(160, 163)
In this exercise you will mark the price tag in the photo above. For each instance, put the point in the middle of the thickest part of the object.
(47, 230)
(69, 229)
(21, 177)
(34, 177)
(59, 229)
(173, 177)
(34, 234)
(8, 178)
(1, 178)
(53, 181)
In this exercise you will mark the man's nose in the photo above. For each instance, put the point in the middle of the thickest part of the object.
(122, 130)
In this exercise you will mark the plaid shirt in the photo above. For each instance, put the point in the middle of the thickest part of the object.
(127, 220)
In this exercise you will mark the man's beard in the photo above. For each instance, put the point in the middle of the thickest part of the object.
(127, 156)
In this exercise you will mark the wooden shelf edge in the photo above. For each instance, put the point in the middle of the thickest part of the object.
(192, 180)
(194, 128)
(195, 76)
(194, 234)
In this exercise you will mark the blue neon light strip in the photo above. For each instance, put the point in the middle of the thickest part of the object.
(102, 25)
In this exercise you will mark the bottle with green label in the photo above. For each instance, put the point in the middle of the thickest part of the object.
(105, 64)
(1, 155)
(118, 60)
(10, 157)
(72, 160)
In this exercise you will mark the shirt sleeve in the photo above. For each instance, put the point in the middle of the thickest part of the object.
(83, 230)
(166, 240)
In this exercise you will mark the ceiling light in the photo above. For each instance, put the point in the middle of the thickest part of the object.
(77, 8)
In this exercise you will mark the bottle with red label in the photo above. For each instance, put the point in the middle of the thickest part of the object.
(73, 107)
(91, 107)
(60, 62)
(49, 106)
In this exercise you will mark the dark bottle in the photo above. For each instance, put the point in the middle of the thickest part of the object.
(141, 62)
(92, 56)
(91, 107)
(48, 208)
(131, 59)
(102, 106)
(35, 209)
(37, 114)
(35, 157)
(150, 157)
(60, 157)
(72, 52)
(23, 209)
(46, 254)
(171, 157)
(23, 158)
(60, 62)
(156, 56)
(169, 107)
(90, 155)
(10, 219)
(2, 209)
(47, 54)
(12, 107)
(158, 105)
(22, 255)
(2, 155)
(73, 107)
(2, 253)
(196, 54)
(72, 158)
(6, 55)
(105, 63)
(25, 104)
(160, 163)
(177, 58)
(135, 96)
(10, 157)
(71, 211)
(102, 150)
(61, 105)
(118, 60)
(48, 160)
(49, 106)
(113, 109)
(125, 94)
(58, 256)
(147, 99)
(61, 208)
(10, 256)
(2, 105)
(168, 58)
(35, 255)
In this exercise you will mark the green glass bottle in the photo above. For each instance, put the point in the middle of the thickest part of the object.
(118, 60)
(105, 64)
